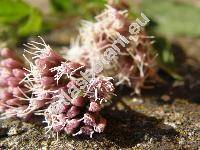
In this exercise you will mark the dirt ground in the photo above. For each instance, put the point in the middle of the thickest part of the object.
(142, 123)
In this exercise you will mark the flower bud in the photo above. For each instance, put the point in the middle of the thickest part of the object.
(5, 95)
(101, 125)
(19, 73)
(5, 72)
(47, 81)
(71, 126)
(3, 82)
(73, 69)
(13, 81)
(10, 63)
(52, 55)
(73, 111)
(87, 130)
(44, 66)
(2, 108)
(57, 127)
(89, 119)
(94, 107)
(15, 102)
(78, 101)
(7, 53)
(17, 91)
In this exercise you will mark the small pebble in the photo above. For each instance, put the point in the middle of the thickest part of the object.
(165, 98)
(14, 131)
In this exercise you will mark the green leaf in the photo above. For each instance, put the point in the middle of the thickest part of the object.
(171, 71)
(85, 8)
(166, 59)
(12, 11)
(32, 25)
(167, 56)
(62, 5)
(173, 18)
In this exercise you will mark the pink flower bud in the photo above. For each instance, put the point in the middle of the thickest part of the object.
(45, 63)
(19, 73)
(94, 107)
(73, 111)
(13, 81)
(52, 55)
(73, 68)
(47, 81)
(38, 103)
(10, 63)
(62, 117)
(65, 108)
(89, 119)
(57, 127)
(44, 66)
(17, 91)
(15, 102)
(79, 101)
(5, 95)
(3, 82)
(101, 125)
(2, 108)
(5, 72)
(7, 53)
(71, 126)
(87, 130)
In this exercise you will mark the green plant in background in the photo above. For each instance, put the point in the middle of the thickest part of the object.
(84, 8)
(166, 59)
(19, 18)
(173, 18)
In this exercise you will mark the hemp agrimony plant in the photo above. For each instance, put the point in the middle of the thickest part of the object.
(68, 93)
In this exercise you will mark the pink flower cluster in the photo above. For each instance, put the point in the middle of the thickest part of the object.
(65, 92)
(11, 73)
(81, 116)
(131, 64)
(44, 89)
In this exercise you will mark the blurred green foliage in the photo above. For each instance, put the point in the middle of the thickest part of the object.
(20, 18)
(173, 18)
(170, 19)
(84, 8)
(13, 11)
(33, 24)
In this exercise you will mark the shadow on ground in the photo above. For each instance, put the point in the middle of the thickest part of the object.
(128, 128)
